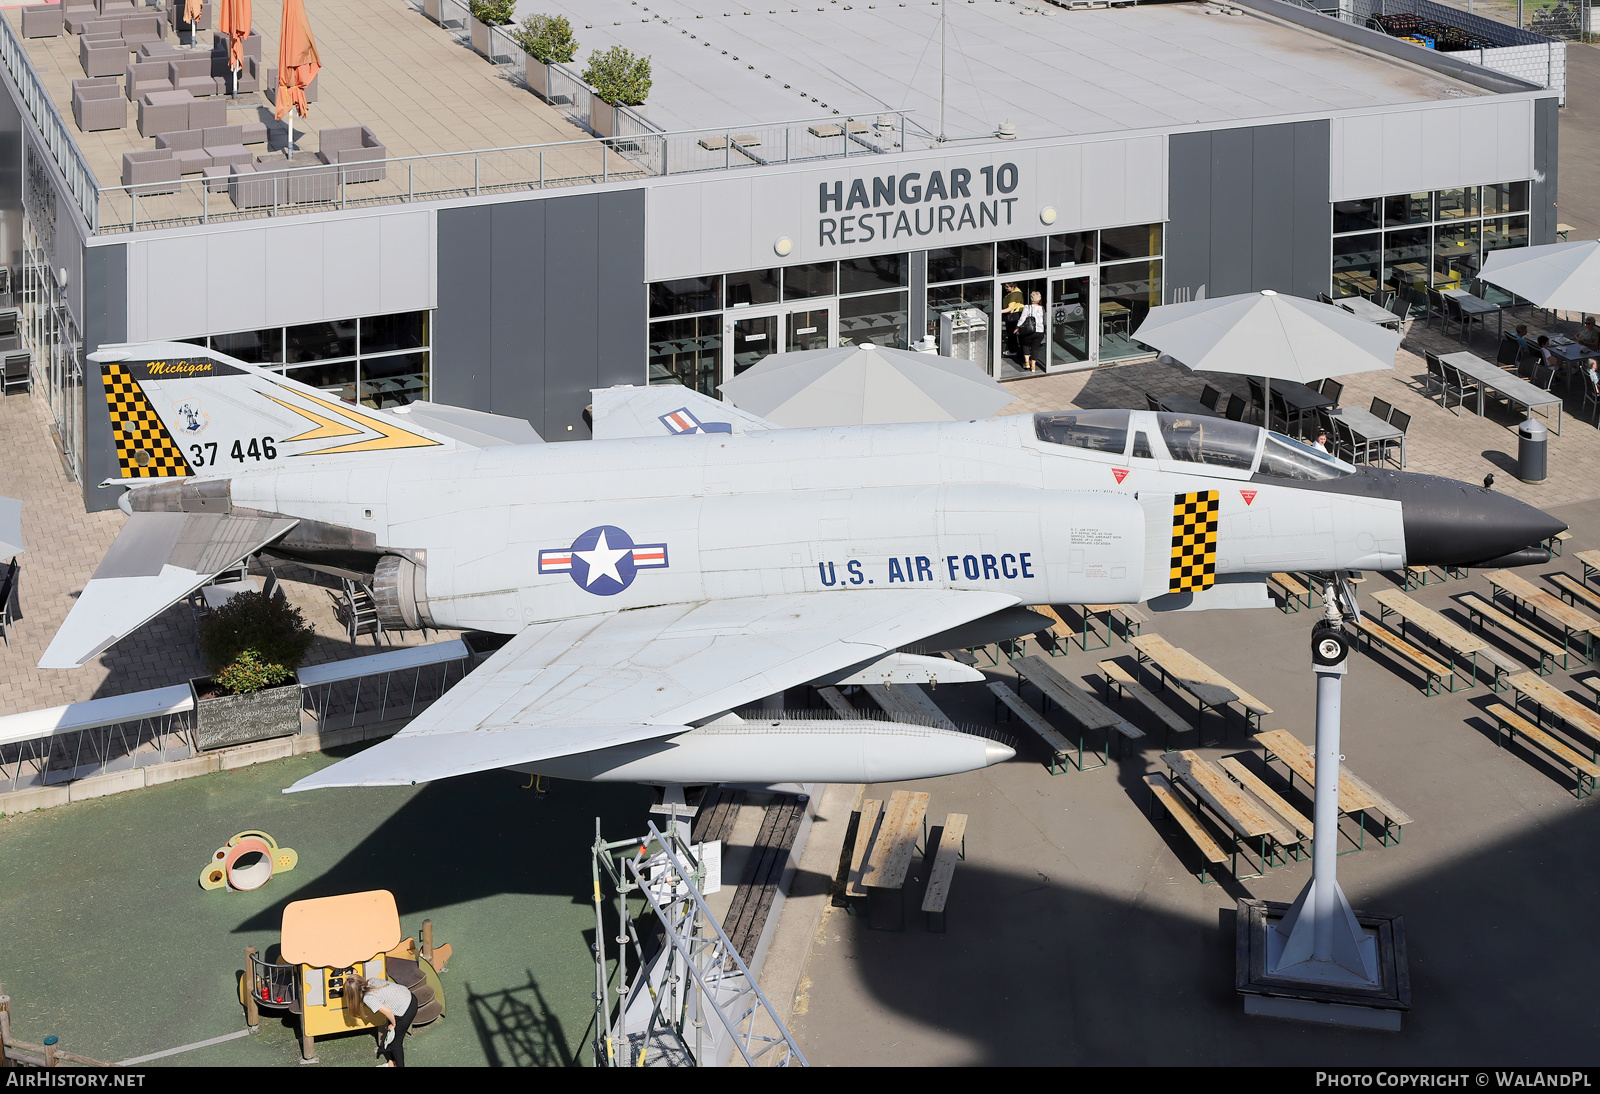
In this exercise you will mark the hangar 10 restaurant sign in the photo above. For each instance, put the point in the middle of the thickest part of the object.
(916, 204)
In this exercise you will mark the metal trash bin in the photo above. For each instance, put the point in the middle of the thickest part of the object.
(1533, 442)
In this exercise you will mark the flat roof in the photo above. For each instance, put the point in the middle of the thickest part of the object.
(384, 65)
(1048, 70)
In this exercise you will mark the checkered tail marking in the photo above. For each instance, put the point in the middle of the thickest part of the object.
(145, 450)
(1194, 541)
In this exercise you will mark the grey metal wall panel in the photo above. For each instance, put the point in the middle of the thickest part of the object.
(623, 303)
(1232, 151)
(518, 270)
(1189, 211)
(917, 308)
(105, 320)
(461, 327)
(573, 305)
(1543, 200)
(1311, 210)
(1272, 207)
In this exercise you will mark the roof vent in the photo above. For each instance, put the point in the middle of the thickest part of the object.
(1006, 132)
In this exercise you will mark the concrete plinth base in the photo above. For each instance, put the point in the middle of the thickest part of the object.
(1280, 996)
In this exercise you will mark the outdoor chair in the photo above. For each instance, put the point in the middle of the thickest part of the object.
(224, 145)
(174, 14)
(164, 112)
(146, 76)
(1458, 386)
(8, 596)
(1435, 371)
(1506, 357)
(1280, 414)
(1209, 396)
(187, 146)
(1331, 390)
(219, 55)
(140, 29)
(77, 14)
(153, 171)
(111, 8)
(1381, 409)
(102, 56)
(193, 74)
(1344, 441)
(1435, 308)
(1236, 408)
(97, 106)
(1401, 421)
(18, 374)
(352, 145)
(42, 21)
(1591, 396)
(1151, 402)
(1258, 397)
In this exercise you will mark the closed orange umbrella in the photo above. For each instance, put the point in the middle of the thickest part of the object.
(191, 11)
(234, 21)
(298, 63)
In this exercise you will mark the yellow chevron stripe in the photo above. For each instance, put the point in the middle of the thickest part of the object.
(325, 427)
(390, 436)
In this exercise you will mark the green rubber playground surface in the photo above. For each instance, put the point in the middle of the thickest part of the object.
(108, 941)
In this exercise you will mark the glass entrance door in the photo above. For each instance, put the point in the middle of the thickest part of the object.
(810, 329)
(1073, 342)
(752, 337)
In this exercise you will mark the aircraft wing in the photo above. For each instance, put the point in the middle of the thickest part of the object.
(156, 560)
(662, 410)
(577, 685)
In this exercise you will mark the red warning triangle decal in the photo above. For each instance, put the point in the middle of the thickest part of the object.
(1120, 472)
(1248, 496)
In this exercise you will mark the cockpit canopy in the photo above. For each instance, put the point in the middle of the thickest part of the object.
(1216, 442)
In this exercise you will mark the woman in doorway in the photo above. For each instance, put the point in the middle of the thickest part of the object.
(394, 1002)
(1010, 316)
(1030, 332)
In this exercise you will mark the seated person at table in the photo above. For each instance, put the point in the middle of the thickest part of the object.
(1521, 335)
(1321, 441)
(1547, 359)
(1589, 336)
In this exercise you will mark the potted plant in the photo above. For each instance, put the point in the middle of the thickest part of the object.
(619, 77)
(483, 14)
(547, 40)
(253, 644)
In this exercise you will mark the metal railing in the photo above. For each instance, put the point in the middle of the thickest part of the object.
(57, 138)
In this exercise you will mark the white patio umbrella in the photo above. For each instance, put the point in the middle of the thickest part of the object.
(10, 528)
(864, 385)
(1557, 276)
(1270, 335)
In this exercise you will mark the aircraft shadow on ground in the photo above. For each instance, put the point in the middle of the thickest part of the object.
(517, 1028)
(466, 838)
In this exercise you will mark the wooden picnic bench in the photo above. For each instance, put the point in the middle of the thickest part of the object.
(890, 858)
(1208, 686)
(1434, 672)
(1355, 795)
(1057, 638)
(1269, 797)
(1060, 748)
(1233, 807)
(1584, 770)
(1593, 684)
(952, 848)
(866, 833)
(1453, 637)
(1571, 589)
(1080, 706)
(1415, 577)
(1481, 611)
(1591, 564)
(1294, 593)
(1123, 681)
(909, 701)
(1162, 792)
(1133, 620)
(1527, 595)
(1552, 700)
(1066, 633)
(1557, 543)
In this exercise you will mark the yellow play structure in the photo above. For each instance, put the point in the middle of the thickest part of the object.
(324, 940)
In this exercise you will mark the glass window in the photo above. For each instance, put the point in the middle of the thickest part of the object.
(872, 274)
(254, 347)
(338, 378)
(1017, 255)
(1127, 293)
(1505, 232)
(394, 380)
(1214, 441)
(880, 319)
(1072, 249)
(688, 294)
(1141, 446)
(1455, 254)
(805, 282)
(1284, 458)
(1096, 430)
(1070, 304)
(1355, 264)
(956, 263)
(382, 333)
(1407, 209)
(686, 351)
(974, 294)
(1355, 216)
(1140, 241)
(1455, 204)
(1505, 197)
(752, 287)
(807, 330)
(1406, 257)
(320, 341)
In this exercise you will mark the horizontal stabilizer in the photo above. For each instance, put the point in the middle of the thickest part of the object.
(156, 560)
(664, 410)
(477, 428)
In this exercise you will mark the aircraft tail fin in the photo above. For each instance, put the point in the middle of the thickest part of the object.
(179, 409)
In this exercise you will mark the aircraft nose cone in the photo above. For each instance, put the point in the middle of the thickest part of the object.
(1450, 523)
(996, 753)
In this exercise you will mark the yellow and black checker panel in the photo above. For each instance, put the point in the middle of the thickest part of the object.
(1194, 541)
(145, 450)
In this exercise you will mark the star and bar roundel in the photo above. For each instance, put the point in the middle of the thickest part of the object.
(604, 560)
(1194, 541)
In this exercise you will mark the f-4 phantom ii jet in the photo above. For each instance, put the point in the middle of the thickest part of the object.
(692, 559)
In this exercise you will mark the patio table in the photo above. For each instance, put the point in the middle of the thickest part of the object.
(1362, 308)
(1369, 427)
(1491, 377)
(1183, 404)
(1476, 305)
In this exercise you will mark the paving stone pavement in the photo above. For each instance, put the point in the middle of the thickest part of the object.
(64, 546)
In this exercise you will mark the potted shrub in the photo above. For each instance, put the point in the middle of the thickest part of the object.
(483, 14)
(547, 40)
(619, 77)
(253, 644)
